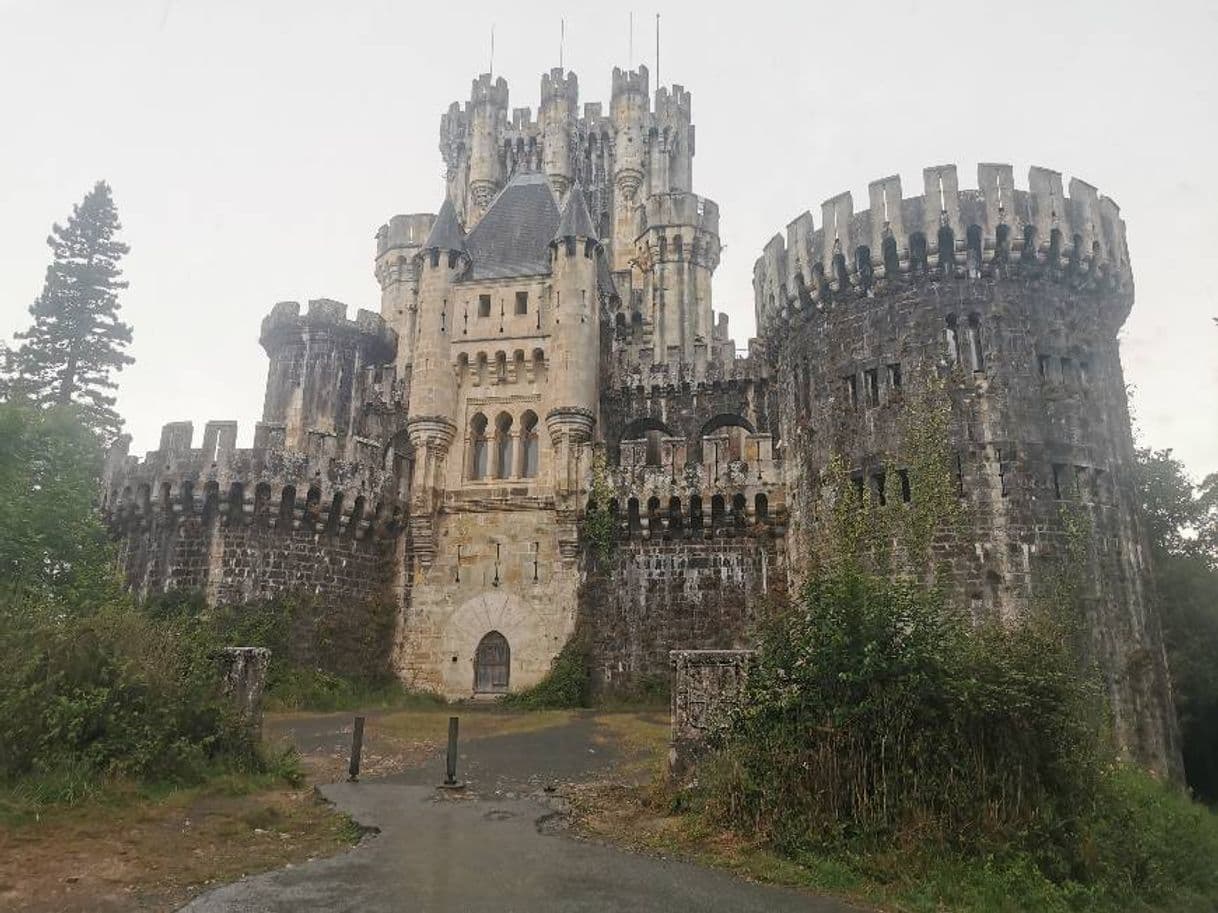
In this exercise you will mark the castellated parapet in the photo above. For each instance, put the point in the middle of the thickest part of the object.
(958, 232)
(241, 524)
(1013, 299)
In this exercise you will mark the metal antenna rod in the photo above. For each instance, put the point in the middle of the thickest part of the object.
(657, 50)
(562, 38)
(630, 56)
(492, 66)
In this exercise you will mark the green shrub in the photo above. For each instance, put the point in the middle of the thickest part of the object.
(880, 728)
(567, 684)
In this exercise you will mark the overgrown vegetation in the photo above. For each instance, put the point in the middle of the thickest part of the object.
(1182, 525)
(568, 684)
(923, 758)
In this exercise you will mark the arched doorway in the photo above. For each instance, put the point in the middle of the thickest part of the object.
(491, 664)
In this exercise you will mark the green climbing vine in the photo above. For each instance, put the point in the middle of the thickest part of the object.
(598, 526)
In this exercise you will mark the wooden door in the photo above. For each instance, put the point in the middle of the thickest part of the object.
(492, 663)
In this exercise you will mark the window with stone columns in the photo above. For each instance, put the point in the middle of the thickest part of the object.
(503, 446)
(478, 447)
(529, 445)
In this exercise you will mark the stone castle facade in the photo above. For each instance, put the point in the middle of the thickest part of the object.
(549, 338)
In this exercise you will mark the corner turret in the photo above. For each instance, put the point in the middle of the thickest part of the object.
(574, 257)
(558, 115)
(629, 108)
(397, 272)
(487, 115)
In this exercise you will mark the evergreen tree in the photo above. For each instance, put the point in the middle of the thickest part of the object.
(76, 341)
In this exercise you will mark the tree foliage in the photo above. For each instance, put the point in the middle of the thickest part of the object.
(1182, 525)
(77, 341)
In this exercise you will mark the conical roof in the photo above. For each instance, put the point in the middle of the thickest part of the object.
(446, 233)
(575, 221)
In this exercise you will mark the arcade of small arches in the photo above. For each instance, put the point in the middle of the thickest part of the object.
(486, 368)
(507, 449)
(696, 518)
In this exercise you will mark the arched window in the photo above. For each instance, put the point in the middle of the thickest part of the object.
(478, 461)
(654, 523)
(355, 524)
(529, 445)
(211, 502)
(313, 506)
(236, 503)
(503, 446)
(262, 501)
(655, 449)
(334, 518)
(633, 523)
(761, 506)
(695, 512)
(287, 507)
(739, 505)
(674, 513)
(717, 511)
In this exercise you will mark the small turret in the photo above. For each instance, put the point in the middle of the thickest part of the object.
(317, 360)
(629, 108)
(558, 115)
(672, 146)
(443, 258)
(574, 254)
(487, 115)
(397, 271)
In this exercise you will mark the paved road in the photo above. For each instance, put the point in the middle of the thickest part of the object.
(494, 849)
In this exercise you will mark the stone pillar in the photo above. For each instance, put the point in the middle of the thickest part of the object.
(243, 682)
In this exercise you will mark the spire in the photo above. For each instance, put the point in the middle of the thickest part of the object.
(446, 233)
(575, 221)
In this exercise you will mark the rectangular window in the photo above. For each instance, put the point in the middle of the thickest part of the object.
(850, 390)
(484, 305)
(1059, 480)
(894, 377)
(1042, 365)
(522, 303)
(871, 385)
(877, 484)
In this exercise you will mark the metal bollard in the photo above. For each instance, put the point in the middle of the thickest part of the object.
(450, 763)
(357, 747)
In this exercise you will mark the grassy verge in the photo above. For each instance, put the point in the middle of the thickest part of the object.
(639, 809)
(125, 846)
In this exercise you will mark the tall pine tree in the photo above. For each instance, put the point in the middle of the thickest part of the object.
(76, 341)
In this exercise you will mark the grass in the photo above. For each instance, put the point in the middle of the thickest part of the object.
(640, 811)
(305, 689)
(129, 847)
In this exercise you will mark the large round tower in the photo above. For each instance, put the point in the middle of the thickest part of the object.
(1015, 299)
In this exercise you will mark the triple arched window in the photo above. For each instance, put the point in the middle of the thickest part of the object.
(505, 450)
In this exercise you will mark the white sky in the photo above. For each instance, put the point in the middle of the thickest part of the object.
(254, 148)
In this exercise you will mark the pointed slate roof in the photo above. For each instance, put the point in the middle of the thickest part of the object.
(446, 233)
(513, 236)
(575, 221)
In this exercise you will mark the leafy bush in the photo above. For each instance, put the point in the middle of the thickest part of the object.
(111, 693)
(567, 684)
(878, 727)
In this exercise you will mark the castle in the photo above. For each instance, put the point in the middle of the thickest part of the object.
(548, 339)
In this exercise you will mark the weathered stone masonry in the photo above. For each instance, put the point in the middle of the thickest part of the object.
(556, 315)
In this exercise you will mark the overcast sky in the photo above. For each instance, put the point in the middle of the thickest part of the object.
(254, 148)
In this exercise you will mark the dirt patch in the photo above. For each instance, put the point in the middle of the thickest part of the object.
(129, 853)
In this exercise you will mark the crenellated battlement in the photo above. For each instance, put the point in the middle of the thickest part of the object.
(673, 106)
(991, 230)
(404, 231)
(630, 82)
(679, 209)
(326, 315)
(317, 488)
(560, 85)
(487, 90)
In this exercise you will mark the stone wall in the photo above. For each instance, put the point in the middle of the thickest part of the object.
(688, 594)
